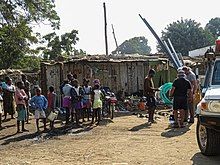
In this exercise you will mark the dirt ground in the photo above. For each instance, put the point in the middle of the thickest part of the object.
(125, 140)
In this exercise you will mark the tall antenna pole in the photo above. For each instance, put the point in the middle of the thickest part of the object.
(106, 39)
(116, 43)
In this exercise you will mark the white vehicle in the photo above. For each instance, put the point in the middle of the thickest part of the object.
(208, 111)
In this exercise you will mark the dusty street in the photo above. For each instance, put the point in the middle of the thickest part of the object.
(127, 140)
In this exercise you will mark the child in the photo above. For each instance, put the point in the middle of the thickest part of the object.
(76, 96)
(39, 103)
(86, 99)
(1, 107)
(67, 99)
(20, 99)
(51, 96)
(97, 96)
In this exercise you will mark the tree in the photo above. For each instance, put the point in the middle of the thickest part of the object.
(60, 45)
(213, 26)
(187, 35)
(15, 42)
(16, 18)
(11, 11)
(28, 63)
(134, 45)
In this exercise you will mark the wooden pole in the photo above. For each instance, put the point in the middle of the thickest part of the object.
(116, 43)
(105, 22)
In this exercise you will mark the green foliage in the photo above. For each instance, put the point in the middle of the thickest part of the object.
(31, 63)
(187, 35)
(16, 34)
(29, 10)
(79, 52)
(134, 45)
(15, 42)
(213, 26)
(60, 45)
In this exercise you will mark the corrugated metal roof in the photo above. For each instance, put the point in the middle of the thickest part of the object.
(113, 58)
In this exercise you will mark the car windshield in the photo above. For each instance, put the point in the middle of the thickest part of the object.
(216, 74)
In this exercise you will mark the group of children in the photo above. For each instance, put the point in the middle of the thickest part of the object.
(78, 101)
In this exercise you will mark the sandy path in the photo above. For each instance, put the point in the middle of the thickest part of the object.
(126, 140)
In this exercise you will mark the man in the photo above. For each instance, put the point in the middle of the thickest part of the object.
(149, 92)
(180, 90)
(27, 90)
(192, 79)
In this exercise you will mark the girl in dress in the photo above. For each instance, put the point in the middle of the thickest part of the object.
(97, 97)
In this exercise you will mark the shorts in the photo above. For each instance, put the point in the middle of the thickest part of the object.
(180, 103)
(21, 111)
(38, 114)
(151, 101)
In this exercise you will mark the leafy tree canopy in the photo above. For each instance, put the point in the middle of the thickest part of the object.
(187, 35)
(60, 45)
(134, 45)
(11, 11)
(213, 26)
(28, 63)
(15, 42)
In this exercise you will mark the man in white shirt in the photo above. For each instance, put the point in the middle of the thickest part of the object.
(192, 78)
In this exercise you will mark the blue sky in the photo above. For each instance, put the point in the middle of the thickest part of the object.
(87, 17)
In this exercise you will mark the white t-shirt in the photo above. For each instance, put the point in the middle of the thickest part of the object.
(67, 89)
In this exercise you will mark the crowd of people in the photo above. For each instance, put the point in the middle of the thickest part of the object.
(85, 102)
(79, 101)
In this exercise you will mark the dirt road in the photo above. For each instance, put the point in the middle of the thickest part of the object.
(127, 140)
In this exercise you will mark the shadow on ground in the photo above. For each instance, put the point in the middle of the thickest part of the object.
(173, 132)
(199, 159)
(139, 127)
(71, 129)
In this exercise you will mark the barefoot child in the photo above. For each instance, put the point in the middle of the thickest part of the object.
(51, 96)
(86, 99)
(97, 96)
(20, 99)
(76, 96)
(39, 103)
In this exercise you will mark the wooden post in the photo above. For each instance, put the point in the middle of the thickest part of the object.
(116, 43)
(105, 22)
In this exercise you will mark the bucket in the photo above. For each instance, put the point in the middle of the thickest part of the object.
(53, 115)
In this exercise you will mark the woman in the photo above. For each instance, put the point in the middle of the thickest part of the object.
(8, 98)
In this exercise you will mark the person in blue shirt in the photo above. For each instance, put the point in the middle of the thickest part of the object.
(39, 103)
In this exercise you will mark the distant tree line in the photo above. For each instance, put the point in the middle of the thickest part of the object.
(20, 47)
(185, 35)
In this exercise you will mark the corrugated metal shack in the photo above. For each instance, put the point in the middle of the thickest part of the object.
(125, 72)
